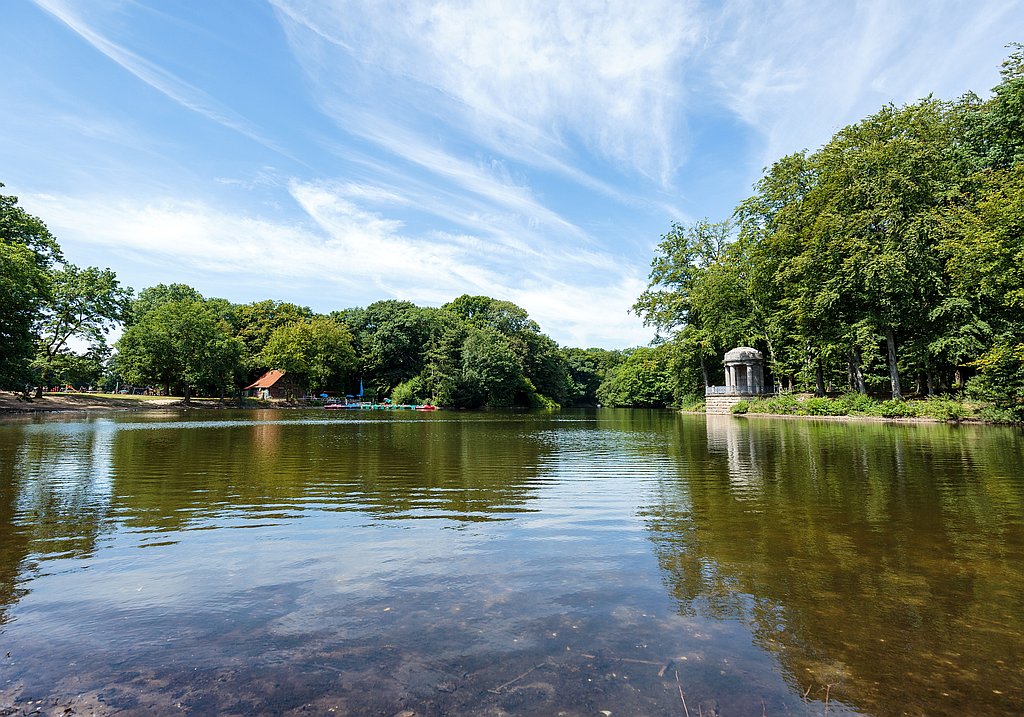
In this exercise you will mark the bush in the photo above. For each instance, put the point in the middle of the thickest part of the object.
(997, 414)
(741, 407)
(857, 403)
(895, 409)
(412, 391)
(784, 403)
(944, 409)
(691, 402)
(824, 407)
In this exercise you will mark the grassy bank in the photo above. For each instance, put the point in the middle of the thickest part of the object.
(937, 408)
(51, 402)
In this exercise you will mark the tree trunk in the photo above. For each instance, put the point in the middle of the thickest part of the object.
(188, 394)
(704, 372)
(894, 374)
(858, 372)
(930, 380)
(819, 380)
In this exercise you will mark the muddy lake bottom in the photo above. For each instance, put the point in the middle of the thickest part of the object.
(576, 563)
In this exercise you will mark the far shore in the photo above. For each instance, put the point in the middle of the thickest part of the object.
(843, 419)
(12, 404)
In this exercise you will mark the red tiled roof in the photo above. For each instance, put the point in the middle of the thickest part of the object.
(267, 380)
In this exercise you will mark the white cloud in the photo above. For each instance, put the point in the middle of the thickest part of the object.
(798, 72)
(170, 85)
(528, 79)
(341, 247)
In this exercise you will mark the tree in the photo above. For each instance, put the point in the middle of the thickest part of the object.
(683, 258)
(643, 379)
(181, 341)
(491, 372)
(317, 351)
(254, 324)
(27, 252)
(586, 369)
(391, 337)
(82, 303)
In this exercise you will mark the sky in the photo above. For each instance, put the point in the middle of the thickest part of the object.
(333, 153)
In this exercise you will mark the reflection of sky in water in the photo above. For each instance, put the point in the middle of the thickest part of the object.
(467, 550)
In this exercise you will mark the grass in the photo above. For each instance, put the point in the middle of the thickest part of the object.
(939, 408)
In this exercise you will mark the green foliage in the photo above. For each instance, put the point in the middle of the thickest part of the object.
(857, 403)
(414, 391)
(316, 351)
(586, 369)
(179, 341)
(82, 304)
(491, 372)
(820, 406)
(782, 404)
(644, 379)
(740, 407)
(897, 409)
(27, 253)
(691, 403)
(894, 250)
(253, 324)
(943, 409)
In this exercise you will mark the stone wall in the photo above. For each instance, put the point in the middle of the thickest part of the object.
(721, 404)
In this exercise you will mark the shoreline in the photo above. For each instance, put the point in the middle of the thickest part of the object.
(860, 418)
(11, 404)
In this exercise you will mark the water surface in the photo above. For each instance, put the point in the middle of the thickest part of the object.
(454, 563)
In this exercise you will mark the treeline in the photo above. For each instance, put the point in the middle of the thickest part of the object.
(473, 352)
(890, 260)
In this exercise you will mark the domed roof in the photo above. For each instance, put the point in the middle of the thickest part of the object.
(743, 353)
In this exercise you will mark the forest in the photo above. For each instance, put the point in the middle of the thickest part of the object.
(889, 262)
(472, 352)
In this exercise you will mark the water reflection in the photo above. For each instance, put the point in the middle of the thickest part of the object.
(495, 563)
(885, 561)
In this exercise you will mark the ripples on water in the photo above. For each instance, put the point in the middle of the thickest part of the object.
(287, 563)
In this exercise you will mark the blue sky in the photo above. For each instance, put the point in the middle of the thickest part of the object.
(335, 153)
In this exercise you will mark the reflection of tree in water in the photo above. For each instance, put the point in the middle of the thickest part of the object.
(463, 471)
(54, 498)
(884, 559)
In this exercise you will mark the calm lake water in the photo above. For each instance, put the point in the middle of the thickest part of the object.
(557, 564)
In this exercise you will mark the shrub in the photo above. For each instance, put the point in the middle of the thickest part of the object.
(895, 409)
(824, 407)
(741, 407)
(944, 409)
(411, 391)
(997, 414)
(857, 403)
(784, 403)
(691, 402)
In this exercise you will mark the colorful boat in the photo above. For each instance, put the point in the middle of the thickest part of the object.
(380, 407)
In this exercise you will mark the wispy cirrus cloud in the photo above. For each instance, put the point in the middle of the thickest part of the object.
(339, 246)
(529, 80)
(798, 74)
(160, 79)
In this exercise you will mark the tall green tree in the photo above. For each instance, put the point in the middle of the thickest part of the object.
(83, 304)
(179, 342)
(27, 253)
(255, 323)
(681, 263)
(317, 351)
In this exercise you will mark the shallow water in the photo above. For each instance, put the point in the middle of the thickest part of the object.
(451, 563)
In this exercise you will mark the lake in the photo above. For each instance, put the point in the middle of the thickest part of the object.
(574, 563)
